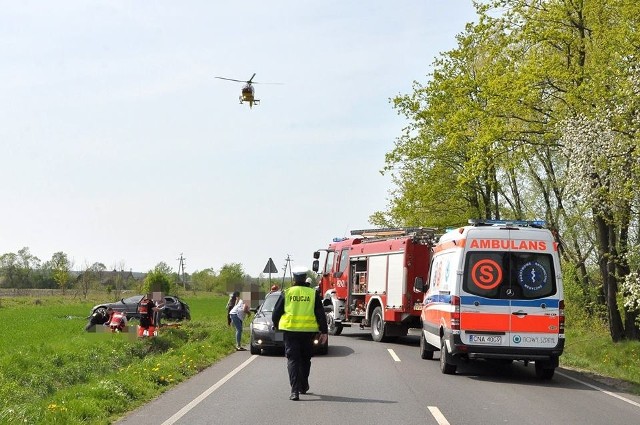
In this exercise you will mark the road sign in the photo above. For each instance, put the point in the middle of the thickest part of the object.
(270, 267)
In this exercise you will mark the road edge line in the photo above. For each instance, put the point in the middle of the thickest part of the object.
(193, 403)
(609, 393)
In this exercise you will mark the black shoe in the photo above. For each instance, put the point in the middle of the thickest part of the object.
(305, 389)
(294, 396)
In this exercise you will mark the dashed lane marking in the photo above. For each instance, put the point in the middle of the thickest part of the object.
(438, 416)
(393, 354)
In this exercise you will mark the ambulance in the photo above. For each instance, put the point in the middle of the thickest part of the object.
(494, 292)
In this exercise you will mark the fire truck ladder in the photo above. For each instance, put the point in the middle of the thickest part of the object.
(418, 234)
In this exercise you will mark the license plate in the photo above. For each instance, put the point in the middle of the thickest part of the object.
(485, 339)
(279, 336)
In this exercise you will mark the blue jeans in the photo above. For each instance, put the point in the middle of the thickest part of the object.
(238, 324)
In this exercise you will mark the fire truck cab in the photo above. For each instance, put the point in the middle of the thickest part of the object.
(495, 292)
(369, 280)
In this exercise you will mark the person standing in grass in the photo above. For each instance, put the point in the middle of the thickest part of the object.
(233, 299)
(237, 314)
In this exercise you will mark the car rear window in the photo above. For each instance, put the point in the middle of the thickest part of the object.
(509, 275)
(270, 302)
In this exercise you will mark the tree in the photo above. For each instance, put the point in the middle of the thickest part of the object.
(9, 269)
(230, 277)
(204, 280)
(61, 268)
(158, 280)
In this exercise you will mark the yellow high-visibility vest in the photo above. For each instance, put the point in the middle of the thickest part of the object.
(299, 316)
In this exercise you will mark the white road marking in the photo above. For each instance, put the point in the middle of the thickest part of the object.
(173, 419)
(626, 400)
(393, 354)
(438, 416)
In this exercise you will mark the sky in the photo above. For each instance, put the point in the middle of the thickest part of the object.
(119, 146)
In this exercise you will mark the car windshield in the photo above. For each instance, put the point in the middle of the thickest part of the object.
(270, 302)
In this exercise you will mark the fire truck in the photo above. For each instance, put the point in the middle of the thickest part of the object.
(369, 280)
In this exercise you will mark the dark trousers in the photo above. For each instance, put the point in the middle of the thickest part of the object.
(298, 348)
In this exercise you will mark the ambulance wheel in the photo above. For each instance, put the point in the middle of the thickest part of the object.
(426, 350)
(334, 328)
(377, 325)
(543, 371)
(446, 360)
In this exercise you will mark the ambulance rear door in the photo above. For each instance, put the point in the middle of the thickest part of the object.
(509, 296)
(533, 290)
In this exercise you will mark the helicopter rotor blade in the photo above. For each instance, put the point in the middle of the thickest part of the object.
(231, 79)
(249, 82)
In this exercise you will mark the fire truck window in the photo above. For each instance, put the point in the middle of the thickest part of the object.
(344, 260)
(329, 263)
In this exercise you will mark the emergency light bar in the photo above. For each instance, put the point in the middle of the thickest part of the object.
(519, 223)
(386, 232)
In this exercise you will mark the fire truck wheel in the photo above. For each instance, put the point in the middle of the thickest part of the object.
(426, 350)
(334, 329)
(377, 325)
(446, 361)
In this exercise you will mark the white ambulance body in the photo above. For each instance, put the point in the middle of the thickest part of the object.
(495, 292)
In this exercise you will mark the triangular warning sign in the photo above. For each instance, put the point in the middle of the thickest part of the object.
(270, 267)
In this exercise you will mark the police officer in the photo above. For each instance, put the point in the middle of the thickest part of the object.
(300, 315)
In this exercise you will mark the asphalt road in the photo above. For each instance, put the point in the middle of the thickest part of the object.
(362, 382)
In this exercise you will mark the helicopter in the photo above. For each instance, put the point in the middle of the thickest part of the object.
(248, 92)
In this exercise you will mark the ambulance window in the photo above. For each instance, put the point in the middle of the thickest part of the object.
(533, 274)
(485, 273)
(509, 275)
(344, 260)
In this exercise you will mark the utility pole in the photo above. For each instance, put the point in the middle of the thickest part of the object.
(287, 264)
(181, 271)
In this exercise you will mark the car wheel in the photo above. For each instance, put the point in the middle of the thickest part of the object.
(446, 360)
(426, 350)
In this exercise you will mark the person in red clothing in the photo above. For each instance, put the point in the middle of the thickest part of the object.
(117, 320)
(146, 309)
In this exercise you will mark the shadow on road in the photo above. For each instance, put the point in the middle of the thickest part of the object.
(323, 397)
(338, 351)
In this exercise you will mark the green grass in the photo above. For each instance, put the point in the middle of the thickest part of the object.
(52, 372)
(589, 348)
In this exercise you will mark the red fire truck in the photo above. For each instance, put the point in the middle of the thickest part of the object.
(369, 279)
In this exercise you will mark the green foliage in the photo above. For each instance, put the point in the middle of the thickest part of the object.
(158, 280)
(204, 280)
(230, 278)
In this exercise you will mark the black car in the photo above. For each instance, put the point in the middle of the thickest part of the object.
(264, 336)
(174, 308)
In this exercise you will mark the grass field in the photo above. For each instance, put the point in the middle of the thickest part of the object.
(52, 372)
